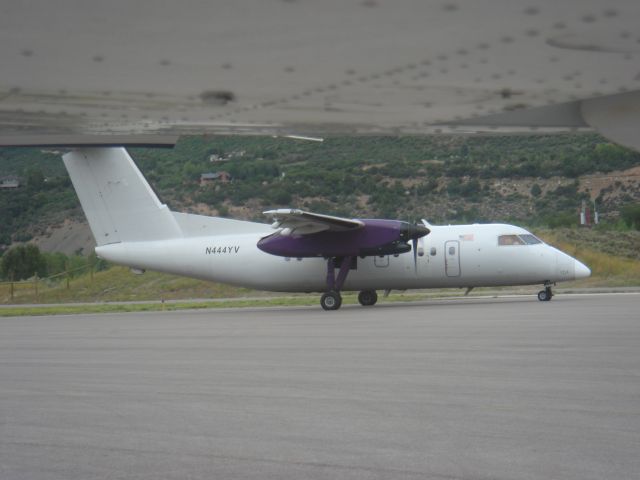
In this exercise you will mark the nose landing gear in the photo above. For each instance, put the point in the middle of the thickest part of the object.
(546, 294)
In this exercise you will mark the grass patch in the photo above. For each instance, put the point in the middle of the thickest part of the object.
(67, 309)
(119, 284)
(592, 249)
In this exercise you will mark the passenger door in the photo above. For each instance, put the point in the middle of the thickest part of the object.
(452, 258)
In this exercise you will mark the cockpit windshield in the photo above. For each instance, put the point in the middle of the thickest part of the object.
(524, 239)
(530, 239)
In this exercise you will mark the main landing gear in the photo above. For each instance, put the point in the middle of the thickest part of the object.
(546, 294)
(331, 299)
(367, 298)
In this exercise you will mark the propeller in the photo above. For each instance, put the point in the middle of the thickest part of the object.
(414, 232)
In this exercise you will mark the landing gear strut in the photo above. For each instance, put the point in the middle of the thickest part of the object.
(367, 298)
(331, 299)
(546, 294)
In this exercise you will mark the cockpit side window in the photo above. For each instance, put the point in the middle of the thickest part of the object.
(510, 240)
(530, 239)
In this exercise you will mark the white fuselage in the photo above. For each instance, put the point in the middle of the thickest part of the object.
(452, 256)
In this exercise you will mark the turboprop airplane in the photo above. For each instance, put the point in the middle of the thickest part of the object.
(302, 251)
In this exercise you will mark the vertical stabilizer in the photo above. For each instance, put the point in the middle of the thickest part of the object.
(117, 200)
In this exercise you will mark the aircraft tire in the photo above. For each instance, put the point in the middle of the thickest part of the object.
(367, 298)
(544, 295)
(331, 300)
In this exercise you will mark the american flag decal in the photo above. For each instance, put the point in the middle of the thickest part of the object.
(467, 238)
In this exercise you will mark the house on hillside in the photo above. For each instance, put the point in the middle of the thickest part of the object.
(213, 177)
(9, 182)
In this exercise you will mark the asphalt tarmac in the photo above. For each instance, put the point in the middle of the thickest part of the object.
(508, 388)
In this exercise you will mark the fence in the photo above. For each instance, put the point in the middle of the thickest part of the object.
(35, 286)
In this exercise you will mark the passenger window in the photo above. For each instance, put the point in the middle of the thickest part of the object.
(510, 240)
(452, 250)
(432, 252)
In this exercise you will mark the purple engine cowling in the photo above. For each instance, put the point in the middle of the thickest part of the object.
(376, 237)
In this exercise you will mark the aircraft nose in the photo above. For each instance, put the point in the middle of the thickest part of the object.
(581, 270)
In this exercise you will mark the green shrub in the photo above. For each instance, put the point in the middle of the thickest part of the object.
(21, 262)
(631, 215)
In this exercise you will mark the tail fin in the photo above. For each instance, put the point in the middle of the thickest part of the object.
(117, 200)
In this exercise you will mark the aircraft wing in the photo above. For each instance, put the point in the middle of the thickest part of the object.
(299, 222)
(89, 72)
(305, 234)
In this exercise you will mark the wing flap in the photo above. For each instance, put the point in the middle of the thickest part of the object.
(305, 223)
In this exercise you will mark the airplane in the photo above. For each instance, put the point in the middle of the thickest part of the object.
(301, 251)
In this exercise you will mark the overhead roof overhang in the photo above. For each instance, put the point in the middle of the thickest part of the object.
(142, 73)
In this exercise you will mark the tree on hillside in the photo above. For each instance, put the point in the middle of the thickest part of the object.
(631, 215)
(35, 177)
(22, 262)
(536, 190)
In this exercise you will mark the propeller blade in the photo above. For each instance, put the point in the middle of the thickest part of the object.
(414, 232)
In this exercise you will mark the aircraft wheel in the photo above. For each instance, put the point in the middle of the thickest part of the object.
(544, 295)
(331, 300)
(367, 297)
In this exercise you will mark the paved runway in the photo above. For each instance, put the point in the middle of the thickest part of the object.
(472, 389)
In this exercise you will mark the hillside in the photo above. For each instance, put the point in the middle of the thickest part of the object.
(530, 180)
